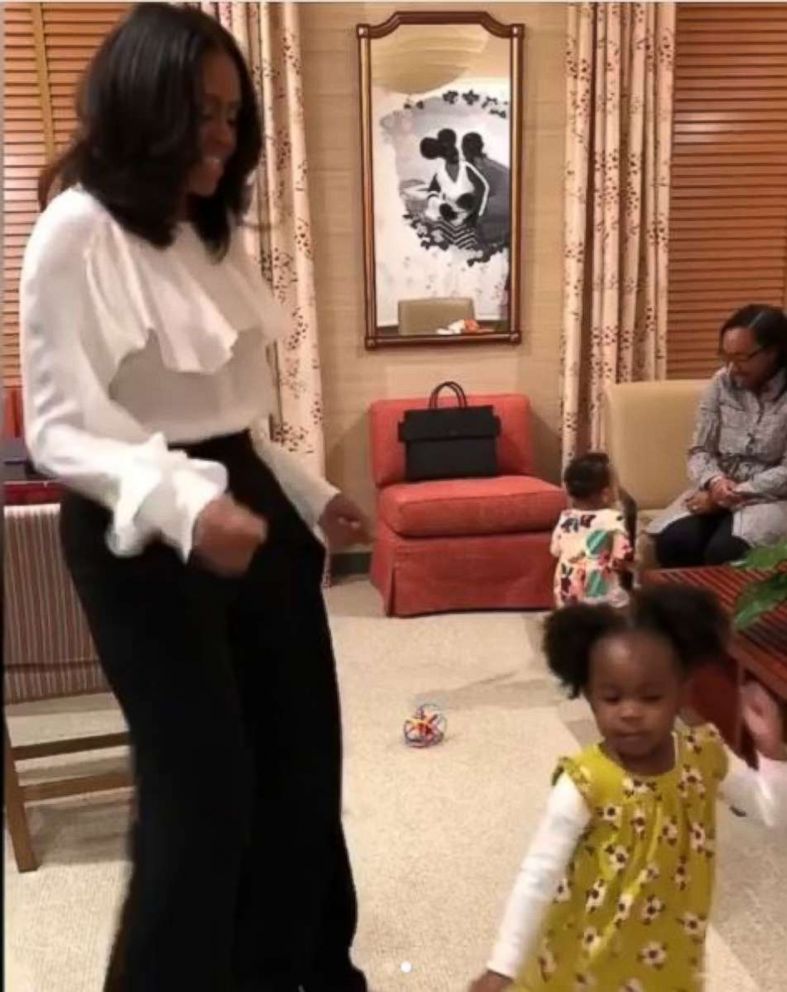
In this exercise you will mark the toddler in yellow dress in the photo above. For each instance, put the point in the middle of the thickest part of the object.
(615, 891)
(591, 541)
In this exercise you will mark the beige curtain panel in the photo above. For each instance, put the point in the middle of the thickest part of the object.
(280, 238)
(620, 59)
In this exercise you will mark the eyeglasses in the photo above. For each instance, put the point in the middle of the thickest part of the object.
(739, 360)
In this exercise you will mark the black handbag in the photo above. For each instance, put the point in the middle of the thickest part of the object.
(455, 442)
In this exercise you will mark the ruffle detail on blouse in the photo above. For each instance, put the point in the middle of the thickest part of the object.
(195, 306)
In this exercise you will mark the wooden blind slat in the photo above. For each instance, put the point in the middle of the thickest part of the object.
(46, 47)
(728, 210)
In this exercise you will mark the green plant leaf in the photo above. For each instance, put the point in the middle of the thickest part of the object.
(759, 589)
(760, 597)
(764, 558)
(746, 616)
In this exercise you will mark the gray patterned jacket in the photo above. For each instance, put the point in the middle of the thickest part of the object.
(742, 435)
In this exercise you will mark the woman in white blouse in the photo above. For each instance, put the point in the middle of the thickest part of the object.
(190, 536)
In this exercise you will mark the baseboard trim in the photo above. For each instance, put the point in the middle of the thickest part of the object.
(350, 563)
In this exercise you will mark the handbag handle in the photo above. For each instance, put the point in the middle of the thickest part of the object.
(455, 388)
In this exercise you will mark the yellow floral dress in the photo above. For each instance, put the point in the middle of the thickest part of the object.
(631, 913)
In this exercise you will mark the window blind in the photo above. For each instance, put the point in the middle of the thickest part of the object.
(46, 47)
(728, 209)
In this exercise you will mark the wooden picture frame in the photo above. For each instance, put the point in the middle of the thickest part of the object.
(445, 237)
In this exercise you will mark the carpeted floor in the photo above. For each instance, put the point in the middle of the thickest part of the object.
(435, 836)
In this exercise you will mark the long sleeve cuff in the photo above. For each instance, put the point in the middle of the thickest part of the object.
(759, 792)
(162, 495)
(309, 492)
(506, 960)
(772, 488)
(773, 775)
(706, 478)
(316, 495)
(546, 862)
(515, 942)
(746, 489)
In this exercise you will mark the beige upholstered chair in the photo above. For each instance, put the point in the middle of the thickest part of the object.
(424, 316)
(48, 653)
(648, 428)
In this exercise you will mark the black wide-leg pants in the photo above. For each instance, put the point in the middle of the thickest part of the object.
(240, 877)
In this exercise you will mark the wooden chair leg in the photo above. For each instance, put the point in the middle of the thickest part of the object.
(15, 810)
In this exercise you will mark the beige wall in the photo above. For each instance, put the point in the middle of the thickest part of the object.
(352, 377)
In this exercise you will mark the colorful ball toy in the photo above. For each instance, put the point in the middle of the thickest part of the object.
(426, 727)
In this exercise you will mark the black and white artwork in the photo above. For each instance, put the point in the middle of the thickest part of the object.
(442, 194)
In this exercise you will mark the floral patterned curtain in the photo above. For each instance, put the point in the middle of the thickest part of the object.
(618, 151)
(280, 234)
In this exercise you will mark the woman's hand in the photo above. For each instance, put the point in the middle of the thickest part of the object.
(343, 523)
(700, 502)
(763, 718)
(227, 535)
(724, 492)
(490, 981)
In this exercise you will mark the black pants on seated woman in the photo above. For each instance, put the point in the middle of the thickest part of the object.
(699, 539)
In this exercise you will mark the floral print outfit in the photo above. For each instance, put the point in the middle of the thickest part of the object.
(591, 546)
(631, 913)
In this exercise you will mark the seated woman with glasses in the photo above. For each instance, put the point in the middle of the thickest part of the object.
(738, 457)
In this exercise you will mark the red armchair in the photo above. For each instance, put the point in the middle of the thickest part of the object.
(462, 544)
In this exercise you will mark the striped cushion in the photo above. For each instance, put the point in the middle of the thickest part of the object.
(48, 650)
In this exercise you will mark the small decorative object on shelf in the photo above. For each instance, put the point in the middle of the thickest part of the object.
(425, 727)
(466, 326)
(764, 593)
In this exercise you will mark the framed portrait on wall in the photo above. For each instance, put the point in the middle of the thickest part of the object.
(441, 151)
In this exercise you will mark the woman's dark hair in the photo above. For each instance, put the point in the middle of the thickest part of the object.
(472, 145)
(690, 619)
(587, 475)
(139, 118)
(768, 324)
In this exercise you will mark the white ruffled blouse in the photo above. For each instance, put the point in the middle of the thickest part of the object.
(127, 348)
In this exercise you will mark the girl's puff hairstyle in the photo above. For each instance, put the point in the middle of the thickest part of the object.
(689, 619)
